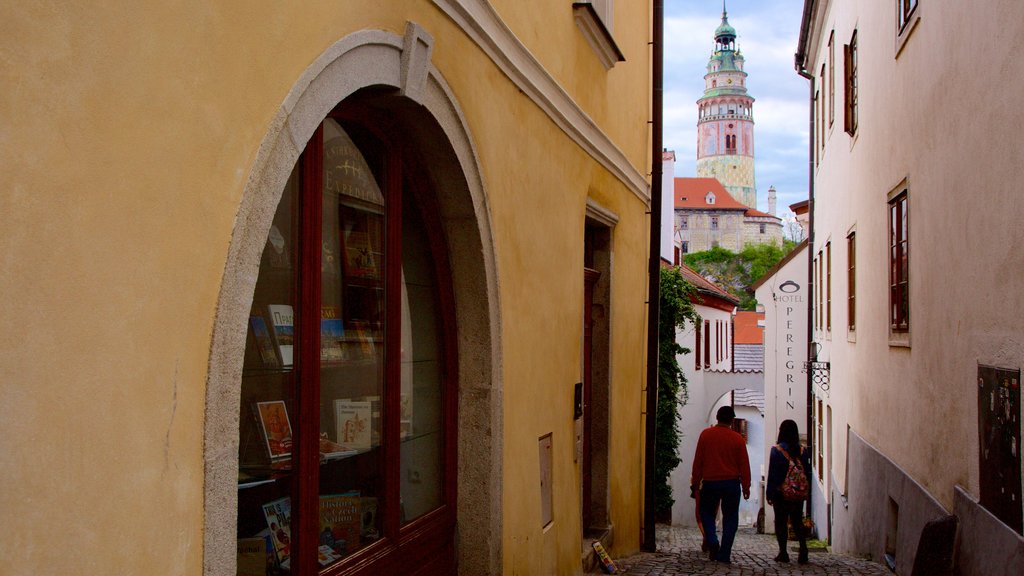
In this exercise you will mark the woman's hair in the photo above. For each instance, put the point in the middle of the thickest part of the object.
(790, 434)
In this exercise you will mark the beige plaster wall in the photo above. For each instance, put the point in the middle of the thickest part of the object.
(931, 112)
(129, 136)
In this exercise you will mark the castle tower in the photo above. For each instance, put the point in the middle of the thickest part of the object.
(725, 120)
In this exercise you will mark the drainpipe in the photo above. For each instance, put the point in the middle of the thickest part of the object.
(654, 278)
(812, 355)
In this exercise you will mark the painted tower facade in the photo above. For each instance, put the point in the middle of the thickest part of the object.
(725, 120)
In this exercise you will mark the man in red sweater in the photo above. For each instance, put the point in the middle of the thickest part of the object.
(720, 470)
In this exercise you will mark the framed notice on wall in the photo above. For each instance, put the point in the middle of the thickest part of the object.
(999, 454)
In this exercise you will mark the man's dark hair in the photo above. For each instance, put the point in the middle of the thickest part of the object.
(726, 414)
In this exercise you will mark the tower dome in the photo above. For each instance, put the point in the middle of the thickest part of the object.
(725, 33)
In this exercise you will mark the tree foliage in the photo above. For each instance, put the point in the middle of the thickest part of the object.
(676, 310)
(737, 272)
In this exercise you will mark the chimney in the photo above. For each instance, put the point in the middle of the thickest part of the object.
(771, 200)
(668, 205)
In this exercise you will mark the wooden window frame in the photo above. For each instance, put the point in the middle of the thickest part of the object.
(899, 261)
(831, 78)
(422, 537)
(905, 12)
(851, 281)
(828, 287)
(850, 63)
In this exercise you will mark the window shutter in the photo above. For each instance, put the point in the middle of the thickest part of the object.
(847, 88)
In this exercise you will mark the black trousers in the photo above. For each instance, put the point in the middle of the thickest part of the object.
(789, 512)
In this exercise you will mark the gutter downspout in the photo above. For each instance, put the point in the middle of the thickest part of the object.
(800, 59)
(649, 543)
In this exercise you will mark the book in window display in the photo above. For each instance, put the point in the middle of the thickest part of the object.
(332, 335)
(282, 318)
(279, 521)
(353, 420)
(361, 344)
(330, 450)
(277, 429)
(265, 346)
(256, 556)
(368, 509)
(341, 522)
(361, 258)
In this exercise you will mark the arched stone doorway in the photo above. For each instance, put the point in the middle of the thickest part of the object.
(435, 125)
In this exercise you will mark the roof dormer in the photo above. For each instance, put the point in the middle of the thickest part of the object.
(710, 198)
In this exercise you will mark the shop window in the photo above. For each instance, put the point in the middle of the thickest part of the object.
(347, 414)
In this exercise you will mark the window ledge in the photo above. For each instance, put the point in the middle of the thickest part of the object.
(597, 35)
(899, 339)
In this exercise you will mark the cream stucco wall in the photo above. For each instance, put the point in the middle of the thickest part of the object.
(130, 136)
(932, 115)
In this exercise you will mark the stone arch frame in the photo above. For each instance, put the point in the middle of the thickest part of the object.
(363, 59)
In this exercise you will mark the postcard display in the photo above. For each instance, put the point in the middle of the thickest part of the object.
(351, 378)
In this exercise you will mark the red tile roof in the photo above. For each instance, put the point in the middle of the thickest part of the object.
(759, 214)
(693, 192)
(747, 330)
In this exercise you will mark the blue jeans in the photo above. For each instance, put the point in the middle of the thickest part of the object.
(726, 493)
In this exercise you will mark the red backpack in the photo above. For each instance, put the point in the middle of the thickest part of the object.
(794, 486)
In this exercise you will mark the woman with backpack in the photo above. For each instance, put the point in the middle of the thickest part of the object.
(787, 488)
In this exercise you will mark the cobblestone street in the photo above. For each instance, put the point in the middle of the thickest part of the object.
(752, 555)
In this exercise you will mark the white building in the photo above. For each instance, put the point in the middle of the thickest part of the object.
(919, 276)
(784, 294)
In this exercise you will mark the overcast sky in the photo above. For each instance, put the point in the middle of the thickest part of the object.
(767, 32)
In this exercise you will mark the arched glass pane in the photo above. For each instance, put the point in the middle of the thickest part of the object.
(422, 415)
(268, 409)
(352, 308)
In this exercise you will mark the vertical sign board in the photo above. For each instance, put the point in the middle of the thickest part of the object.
(1000, 430)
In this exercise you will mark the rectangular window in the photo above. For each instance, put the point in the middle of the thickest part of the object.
(761, 227)
(828, 286)
(899, 269)
(714, 222)
(821, 452)
(697, 348)
(904, 12)
(831, 78)
(821, 78)
(817, 122)
(850, 71)
(851, 282)
(684, 222)
(820, 292)
(707, 344)
(686, 247)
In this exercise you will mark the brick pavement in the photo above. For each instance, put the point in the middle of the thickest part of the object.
(752, 555)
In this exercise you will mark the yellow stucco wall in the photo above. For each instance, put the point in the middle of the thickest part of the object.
(129, 134)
